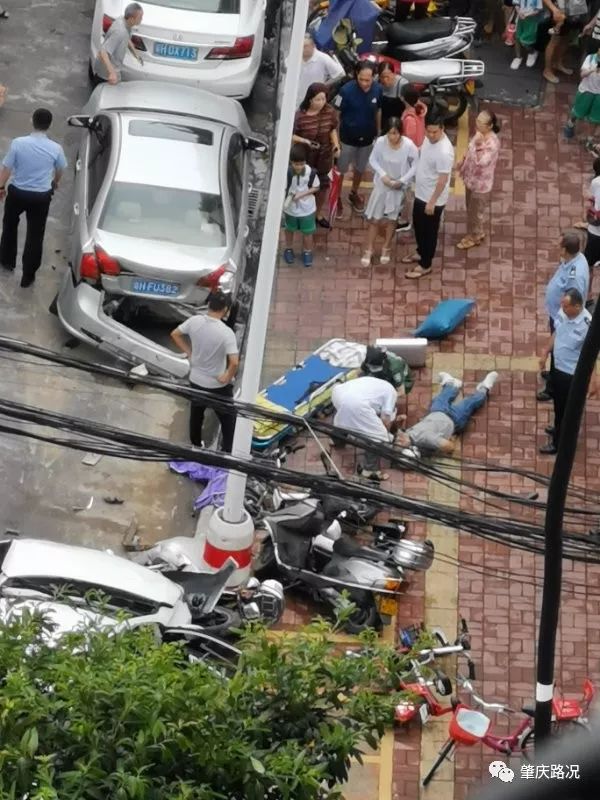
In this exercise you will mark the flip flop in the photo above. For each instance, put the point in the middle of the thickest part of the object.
(466, 243)
(377, 475)
(410, 259)
(418, 272)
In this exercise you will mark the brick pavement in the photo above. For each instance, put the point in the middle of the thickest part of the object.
(538, 191)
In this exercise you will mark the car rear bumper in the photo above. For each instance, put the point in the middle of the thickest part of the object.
(80, 312)
(233, 79)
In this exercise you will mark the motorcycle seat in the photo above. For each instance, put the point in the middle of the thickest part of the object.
(529, 710)
(419, 30)
(348, 548)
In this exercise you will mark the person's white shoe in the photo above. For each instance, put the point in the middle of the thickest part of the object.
(516, 63)
(531, 59)
(487, 384)
(445, 378)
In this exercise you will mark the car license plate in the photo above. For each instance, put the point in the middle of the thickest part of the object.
(181, 52)
(159, 288)
(387, 605)
(470, 87)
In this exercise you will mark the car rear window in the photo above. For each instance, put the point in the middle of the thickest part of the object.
(163, 214)
(206, 6)
(169, 130)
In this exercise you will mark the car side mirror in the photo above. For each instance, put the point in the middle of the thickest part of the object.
(257, 145)
(80, 121)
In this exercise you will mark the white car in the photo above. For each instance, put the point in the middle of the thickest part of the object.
(210, 44)
(36, 569)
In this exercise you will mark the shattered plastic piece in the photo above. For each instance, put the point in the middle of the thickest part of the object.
(140, 370)
(91, 459)
(86, 507)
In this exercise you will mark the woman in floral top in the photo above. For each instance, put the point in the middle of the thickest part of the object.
(477, 171)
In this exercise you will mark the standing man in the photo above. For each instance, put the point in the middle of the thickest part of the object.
(35, 165)
(570, 329)
(432, 187)
(316, 67)
(359, 104)
(573, 273)
(213, 352)
(111, 55)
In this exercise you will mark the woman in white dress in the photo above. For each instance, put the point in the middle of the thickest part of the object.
(394, 162)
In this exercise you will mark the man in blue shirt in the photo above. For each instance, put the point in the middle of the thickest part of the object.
(359, 104)
(35, 165)
(570, 329)
(573, 273)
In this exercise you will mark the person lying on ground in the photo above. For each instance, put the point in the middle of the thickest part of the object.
(439, 429)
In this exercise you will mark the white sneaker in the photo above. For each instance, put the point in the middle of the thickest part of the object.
(487, 384)
(516, 63)
(445, 378)
(531, 59)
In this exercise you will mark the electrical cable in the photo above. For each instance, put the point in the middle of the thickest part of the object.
(120, 443)
(256, 412)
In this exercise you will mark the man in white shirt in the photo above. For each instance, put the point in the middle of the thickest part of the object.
(367, 406)
(212, 349)
(432, 187)
(316, 67)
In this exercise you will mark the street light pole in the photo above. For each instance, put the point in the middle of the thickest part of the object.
(233, 511)
(555, 507)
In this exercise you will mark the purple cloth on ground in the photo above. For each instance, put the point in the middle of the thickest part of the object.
(214, 491)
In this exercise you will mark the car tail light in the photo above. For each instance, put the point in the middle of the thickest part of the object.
(107, 264)
(211, 281)
(106, 23)
(98, 263)
(88, 267)
(138, 43)
(241, 48)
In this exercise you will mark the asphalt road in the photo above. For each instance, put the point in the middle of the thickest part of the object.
(43, 62)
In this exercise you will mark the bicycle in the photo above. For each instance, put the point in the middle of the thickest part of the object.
(469, 726)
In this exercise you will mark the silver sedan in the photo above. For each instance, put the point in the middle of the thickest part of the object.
(159, 215)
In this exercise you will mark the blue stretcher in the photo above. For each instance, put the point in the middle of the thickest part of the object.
(305, 390)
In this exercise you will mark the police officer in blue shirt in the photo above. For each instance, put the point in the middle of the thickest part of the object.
(573, 273)
(35, 165)
(570, 329)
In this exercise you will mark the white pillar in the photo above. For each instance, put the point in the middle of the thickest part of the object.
(257, 332)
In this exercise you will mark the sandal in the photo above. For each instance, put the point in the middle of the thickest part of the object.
(410, 259)
(385, 257)
(376, 475)
(466, 243)
(417, 272)
(366, 258)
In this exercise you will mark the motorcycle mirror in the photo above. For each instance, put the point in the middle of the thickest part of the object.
(252, 584)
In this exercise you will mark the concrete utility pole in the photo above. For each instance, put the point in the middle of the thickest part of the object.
(231, 528)
(555, 508)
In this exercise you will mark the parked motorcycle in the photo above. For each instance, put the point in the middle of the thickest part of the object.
(326, 563)
(447, 83)
(214, 607)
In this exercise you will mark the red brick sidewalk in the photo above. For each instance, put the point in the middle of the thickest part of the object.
(538, 192)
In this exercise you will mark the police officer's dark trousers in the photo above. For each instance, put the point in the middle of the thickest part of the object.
(560, 383)
(35, 206)
(226, 418)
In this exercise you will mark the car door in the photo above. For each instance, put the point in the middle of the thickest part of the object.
(237, 188)
(91, 169)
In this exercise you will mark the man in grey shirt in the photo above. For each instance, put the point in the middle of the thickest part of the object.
(212, 349)
(437, 431)
(114, 47)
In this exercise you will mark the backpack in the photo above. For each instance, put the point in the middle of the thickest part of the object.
(290, 176)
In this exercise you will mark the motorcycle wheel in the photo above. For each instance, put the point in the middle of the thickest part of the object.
(363, 617)
(452, 107)
(219, 622)
(442, 683)
(264, 562)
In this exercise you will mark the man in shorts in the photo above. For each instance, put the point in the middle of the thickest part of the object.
(359, 105)
(300, 206)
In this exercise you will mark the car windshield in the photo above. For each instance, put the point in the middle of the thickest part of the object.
(207, 6)
(180, 216)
